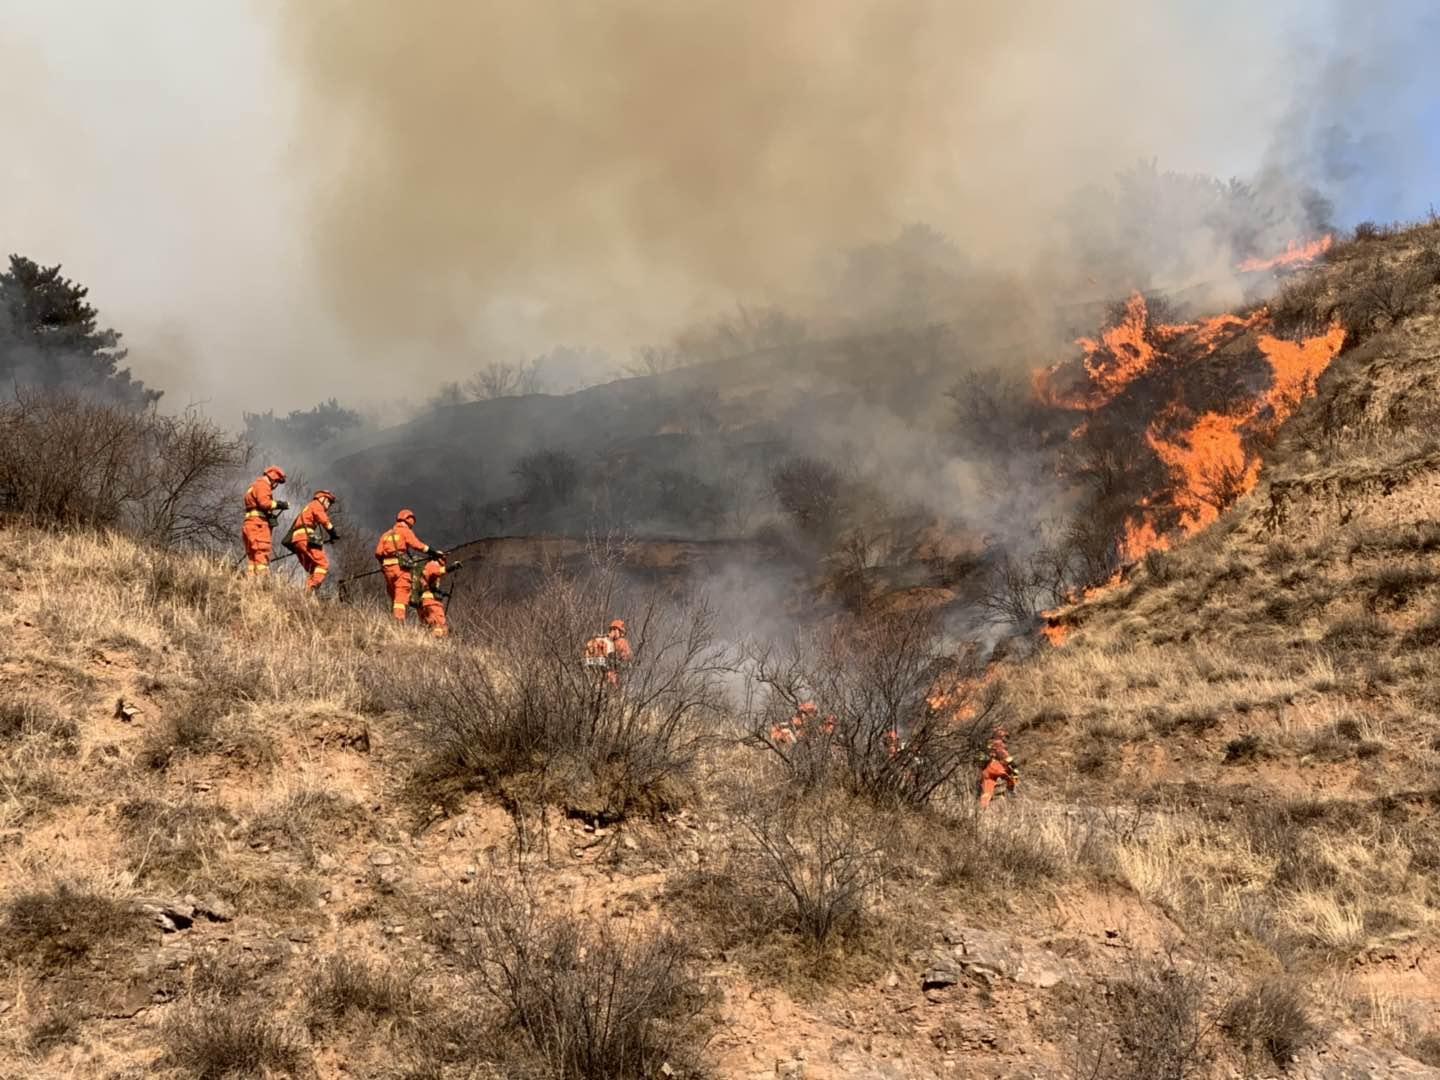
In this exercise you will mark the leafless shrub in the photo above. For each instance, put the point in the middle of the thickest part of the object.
(1270, 1016)
(1304, 306)
(213, 1039)
(590, 1002)
(1375, 295)
(528, 717)
(809, 490)
(1157, 1029)
(547, 478)
(1018, 588)
(70, 461)
(897, 720)
(815, 860)
(499, 379)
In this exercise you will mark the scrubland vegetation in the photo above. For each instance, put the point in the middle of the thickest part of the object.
(243, 833)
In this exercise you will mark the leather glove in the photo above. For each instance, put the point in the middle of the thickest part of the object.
(334, 535)
(281, 504)
(454, 565)
(436, 553)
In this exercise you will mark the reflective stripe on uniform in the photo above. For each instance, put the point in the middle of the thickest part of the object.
(427, 596)
(389, 562)
(256, 514)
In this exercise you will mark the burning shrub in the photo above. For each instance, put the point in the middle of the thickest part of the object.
(522, 713)
(895, 720)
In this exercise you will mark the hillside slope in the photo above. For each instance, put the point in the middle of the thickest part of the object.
(242, 833)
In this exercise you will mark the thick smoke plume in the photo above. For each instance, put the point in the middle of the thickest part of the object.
(526, 173)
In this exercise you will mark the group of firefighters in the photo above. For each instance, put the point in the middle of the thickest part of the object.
(412, 568)
(998, 766)
(413, 571)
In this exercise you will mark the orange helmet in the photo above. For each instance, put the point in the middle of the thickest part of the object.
(275, 474)
(808, 708)
(617, 624)
(407, 516)
(323, 494)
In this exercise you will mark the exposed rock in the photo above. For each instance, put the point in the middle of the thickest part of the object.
(994, 954)
(938, 977)
(382, 858)
(170, 916)
(789, 1070)
(212, 908)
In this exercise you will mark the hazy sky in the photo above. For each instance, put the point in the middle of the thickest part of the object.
(279, 202)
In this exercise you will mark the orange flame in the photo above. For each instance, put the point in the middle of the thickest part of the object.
(1212, 458)
(1295, 254)
(1141, 538)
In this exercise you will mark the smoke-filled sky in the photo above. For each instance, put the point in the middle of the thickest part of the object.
(282, 201)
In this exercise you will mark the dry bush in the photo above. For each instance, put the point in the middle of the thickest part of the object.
(56, 1028)
(814, 860)
(1356, 636)
(36, 738)
(1424, 635)
(1375, 295)
(173, 843)
(346, 987)
(305, 820)
(990, 853)
(62, 927)
(1303, 307)
(521, 714)
(899, 720)
(1018, 589)
(1157, 1029)
(213, 1039)
(1426, 1048)
(586, 1001)
(1270, 1016)
(810, 491)
(83, 463)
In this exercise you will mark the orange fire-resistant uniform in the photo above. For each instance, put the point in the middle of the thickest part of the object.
(999, 766)
(604, 654)
(307, 538)
(432, 611)
(260, 504)
(803, 723)
(393, 544)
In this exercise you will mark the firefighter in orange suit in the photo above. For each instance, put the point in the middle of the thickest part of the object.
(606, 654)
(432, 609)
(261, 509)
(393, 547)
(309, 534)
(999, 765)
